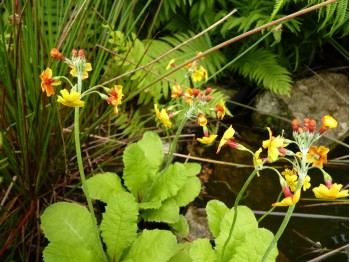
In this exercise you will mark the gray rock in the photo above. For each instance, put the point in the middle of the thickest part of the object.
(314, 97)
(198, 223)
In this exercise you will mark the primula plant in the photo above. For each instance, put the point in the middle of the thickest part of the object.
(150, 189)
(295, 179)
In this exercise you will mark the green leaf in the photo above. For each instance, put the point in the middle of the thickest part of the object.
(168, 183)
(71, 224)
(254, 246)
(119, 224)
(193, 169)
(167, 213)
(180, 228)
(181, 256)
(202, 251)
(142, 161)
(245, 223)
(150, 205)
(182, 253)
(188, 192)
(62, 252)
(104, 186)
(152, 145)
(215, 210)
(153, 245)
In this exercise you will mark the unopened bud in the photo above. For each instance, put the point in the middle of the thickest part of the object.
(196, 92)
(74, 52)
(328, 183)
(81, 53)
(54, 53)
(312, 125)
(306, 124)
(208, 91)
(295, 125)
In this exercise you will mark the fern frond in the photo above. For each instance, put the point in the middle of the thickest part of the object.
(277, 7)
(262, 67)
(335, 15)
(342, 15)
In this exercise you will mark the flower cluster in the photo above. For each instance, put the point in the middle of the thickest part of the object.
(79, 69)
(194, 69)
(296, 179)
(197, 102)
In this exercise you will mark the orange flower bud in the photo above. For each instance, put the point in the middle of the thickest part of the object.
(208, 91)
(54, 53)
(295, 125)
(312, 125)
(196, 92)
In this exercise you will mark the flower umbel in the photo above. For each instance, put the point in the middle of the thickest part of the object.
(71, 99)
(79, 66)
(47, 82)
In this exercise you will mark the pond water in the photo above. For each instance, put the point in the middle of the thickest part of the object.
(315, 228)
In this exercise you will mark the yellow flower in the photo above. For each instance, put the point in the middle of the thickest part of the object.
(292, 181)
(71, 99)
(289, 200)
(88, 67)
(207, 139)
(330, 193)
(228, 135)
(257, 160)
(202, 120)
(272, 146)
(306, 183)
(188, 95)
(329, 122)
(162, 116)
(317, 156)
(220, 110)
(291, 178)
(47, 82)
(170, 64)
(177, 91)
(197, 76)
(115, 97)
(204, 73)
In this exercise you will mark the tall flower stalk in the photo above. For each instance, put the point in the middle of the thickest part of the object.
(72, 98)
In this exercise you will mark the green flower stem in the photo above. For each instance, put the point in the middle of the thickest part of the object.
(302, 171)
(176, 138)
(80, 163)
(238, 198)
(70, 83)
(81, 170)
(279, 232)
